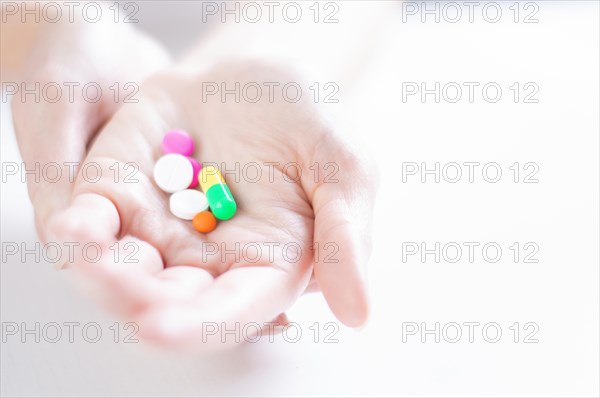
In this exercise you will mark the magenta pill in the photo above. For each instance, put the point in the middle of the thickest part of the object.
(196, 166)
(177, 141)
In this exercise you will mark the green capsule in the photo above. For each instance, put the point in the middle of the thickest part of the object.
(221, 201)
(219, 196)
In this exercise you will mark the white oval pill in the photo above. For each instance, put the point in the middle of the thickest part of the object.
(186, 204)
(173, 172)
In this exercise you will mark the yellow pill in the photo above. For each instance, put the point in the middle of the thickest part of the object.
(209, 176)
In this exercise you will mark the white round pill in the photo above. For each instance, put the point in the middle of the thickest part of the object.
(186, 204)
(173, 172)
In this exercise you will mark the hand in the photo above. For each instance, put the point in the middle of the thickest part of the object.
(59, 132)
(175, 289)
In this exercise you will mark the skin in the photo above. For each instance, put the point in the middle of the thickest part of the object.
(171, 291)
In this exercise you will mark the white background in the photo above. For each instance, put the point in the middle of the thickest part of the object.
(559, 214)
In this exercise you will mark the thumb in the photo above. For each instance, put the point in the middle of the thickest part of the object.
(342, 198)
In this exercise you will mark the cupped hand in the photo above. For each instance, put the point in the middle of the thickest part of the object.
(177, 283)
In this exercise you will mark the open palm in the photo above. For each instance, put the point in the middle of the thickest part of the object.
(291, 219)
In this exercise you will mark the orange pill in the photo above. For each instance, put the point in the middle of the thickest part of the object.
(204, 222)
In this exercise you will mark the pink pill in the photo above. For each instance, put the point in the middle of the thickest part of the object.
(196, 166)
(177, 141)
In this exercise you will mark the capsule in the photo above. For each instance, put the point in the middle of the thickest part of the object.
(219, 196)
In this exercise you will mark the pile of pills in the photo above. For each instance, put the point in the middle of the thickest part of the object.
(177, 173)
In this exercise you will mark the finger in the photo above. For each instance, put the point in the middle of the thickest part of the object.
(52, 138)
(130, 278)
(238, 303)
(126, 274)
(90, 219)
(343, 206)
